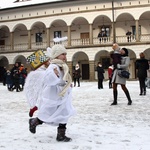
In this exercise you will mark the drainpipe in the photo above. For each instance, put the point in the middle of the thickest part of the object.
(113, 24)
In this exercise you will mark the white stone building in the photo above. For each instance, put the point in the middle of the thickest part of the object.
(26, 27)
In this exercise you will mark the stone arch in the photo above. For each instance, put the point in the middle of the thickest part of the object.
(4, 62)
(147, 53)
(83, 60)
(132, 69)
(102, 23)
(4, 34)
(144, 23)
(58, 28)
(18, 26)
(80, 30)
(20, 35)
(20, 59)
(38, 25)
(38, 30)
(102, 56)
(123, 23)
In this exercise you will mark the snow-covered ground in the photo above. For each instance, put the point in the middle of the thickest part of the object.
(96, 126)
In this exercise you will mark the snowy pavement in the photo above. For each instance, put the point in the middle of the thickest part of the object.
(96, 126)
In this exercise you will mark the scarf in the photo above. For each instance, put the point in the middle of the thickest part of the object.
(66, 76)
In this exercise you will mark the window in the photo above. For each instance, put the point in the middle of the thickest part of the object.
(2, 42)
(134, 31)
(57, 34)
(106, 30)
(39, 37)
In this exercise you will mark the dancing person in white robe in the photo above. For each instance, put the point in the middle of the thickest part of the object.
(56, 106)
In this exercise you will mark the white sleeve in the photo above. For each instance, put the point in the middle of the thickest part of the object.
(51, 78)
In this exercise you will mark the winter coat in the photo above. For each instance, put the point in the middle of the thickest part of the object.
(116, 59)
(100, 72)
(124, 65)
(23, 75)
(142, 66)
(8, 78)
(77, 73)
(110, 71)
(16, 77)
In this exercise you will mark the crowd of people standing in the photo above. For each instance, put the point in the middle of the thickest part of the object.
(15, 77)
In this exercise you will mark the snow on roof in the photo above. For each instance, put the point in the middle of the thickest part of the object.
(17, 3)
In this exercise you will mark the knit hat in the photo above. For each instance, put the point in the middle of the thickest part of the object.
(57, 50)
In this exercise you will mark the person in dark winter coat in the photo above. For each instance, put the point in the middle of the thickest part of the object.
(23, 75)
(3, 71)
(100, 75)
(13, 70)
(77, 75)
(116, 79)
(16, 78)
(8, 80)
(142, 66)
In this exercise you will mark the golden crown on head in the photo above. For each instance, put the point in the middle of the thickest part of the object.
(37, 59)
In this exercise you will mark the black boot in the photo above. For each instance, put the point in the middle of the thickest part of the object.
(33, 122)
(61, 135)
(115, 93)
(128, 97)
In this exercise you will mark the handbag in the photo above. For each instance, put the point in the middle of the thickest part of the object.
(123, 74)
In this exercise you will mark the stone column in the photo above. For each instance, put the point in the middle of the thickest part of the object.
(29, 39)
(69, 35)
(69, 63)
(48, 36)
(91, 33)
(92, 70)
(113, 32)
(12, 40)
(137, 30)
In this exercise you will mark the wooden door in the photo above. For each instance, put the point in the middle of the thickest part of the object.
(85, 71)
(84, 38)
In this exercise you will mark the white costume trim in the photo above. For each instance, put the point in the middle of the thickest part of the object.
(33, 85)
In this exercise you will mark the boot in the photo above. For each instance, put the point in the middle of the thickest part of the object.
(128, 97)
(33, 123)
(61, 135)
(115, 93)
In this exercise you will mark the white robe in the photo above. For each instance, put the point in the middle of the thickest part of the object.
(54, 109)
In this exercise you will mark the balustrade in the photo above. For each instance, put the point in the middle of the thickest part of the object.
(75, 42)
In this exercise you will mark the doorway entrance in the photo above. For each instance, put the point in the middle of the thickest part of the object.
(85, 71)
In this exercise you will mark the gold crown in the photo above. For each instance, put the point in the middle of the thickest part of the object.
(37, 59)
